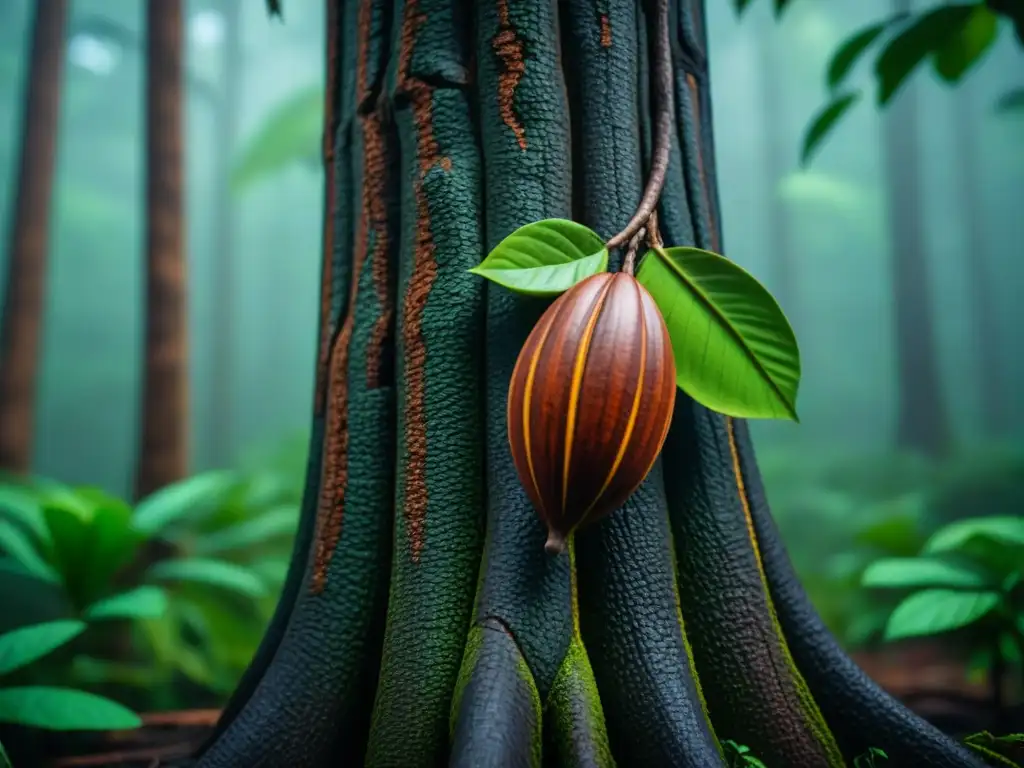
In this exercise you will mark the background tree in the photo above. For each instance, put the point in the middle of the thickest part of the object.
(22, 312)
(422, 621)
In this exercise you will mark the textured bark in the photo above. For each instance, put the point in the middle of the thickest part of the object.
(922, 422)
(21, 323)
(163, 448)
(422, 622)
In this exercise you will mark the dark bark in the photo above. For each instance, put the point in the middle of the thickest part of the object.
(24, 293)
(922, 422)
(163, 448)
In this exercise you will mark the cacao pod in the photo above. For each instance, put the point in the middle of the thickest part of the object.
(590, 402)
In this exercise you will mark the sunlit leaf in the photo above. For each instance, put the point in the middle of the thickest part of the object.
(1004, 530)
(1011, 101)
(290, 134)
(933, 611)
(824, 122)
(187, 499)
(20, 647)
(545, 258)
(272, 524)
(17, 544)
(851, 50)
(967, 45)
(905, 572)
(144, 602)
(735, 351)
(63, 709)
(926, 35)
(214, 573)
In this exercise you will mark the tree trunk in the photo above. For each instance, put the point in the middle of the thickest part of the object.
(163, 451)
(984, 314)
(422, 622)
(922, 423)
(21, 324)
(221, 412)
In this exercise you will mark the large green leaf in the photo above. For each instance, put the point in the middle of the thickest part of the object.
(933, 611)
(146, 602)
(272, 524)
(734, 349)
(967, 44)
(904, 572)
(850, 51)
(824, 122)
(17, 544)
(545, 258)
(1004, 530)
(63, 709)
(20, 647)
(188, 499)
(214, 573)
(290, 134)
(927, 34)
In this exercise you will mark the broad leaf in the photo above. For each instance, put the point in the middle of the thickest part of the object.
(63, 709)
(17, 544)
(187, 499)
(20, 647)
(290, 135)
(22, 506)
(214, 573)
(272, 524)
(851, 50)
(1004, 530)
(929, 33)
(933, 611)
(545, 258)
(904, 572)
(1011, 101)
(967, 44)
(735, 352)
(145, 602)
(824, 122)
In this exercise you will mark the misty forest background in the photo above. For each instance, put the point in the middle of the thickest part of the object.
(926, 220)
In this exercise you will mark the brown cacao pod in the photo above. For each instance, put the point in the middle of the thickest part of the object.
(590, 402)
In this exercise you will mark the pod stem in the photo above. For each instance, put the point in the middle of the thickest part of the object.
(664, 107)
(555, 545)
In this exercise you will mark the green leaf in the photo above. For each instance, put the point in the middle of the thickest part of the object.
(851, 50)
(290, 134)
(735, 352)
(741, 6)
(967, 44)
(5, 761)
(272, 570)
(63, 709)
(824, 122)
(274, 9)
(933, 611)
(955, 536)
(928, 34)
(272, 524)
(906, 572)
(214, 573)
(1011, 101)
(22, 506)
(145, 602)
(545, 258)
(20, 647)
(187, 499)
(998, 750)
(780, 7)
(21, 549)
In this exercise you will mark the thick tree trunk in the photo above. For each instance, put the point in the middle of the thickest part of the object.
(221, 411)
(422, 622)
(163, 450)
(22, 319)
(922, 422)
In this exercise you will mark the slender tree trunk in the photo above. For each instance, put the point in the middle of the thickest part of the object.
(163, 451)
(922, 422)
(422, 622)
(22, 319)
(221, 411)
(983, 312)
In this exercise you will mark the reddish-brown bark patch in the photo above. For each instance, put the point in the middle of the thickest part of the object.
(509, 49)
(375, 210)
(606, 31)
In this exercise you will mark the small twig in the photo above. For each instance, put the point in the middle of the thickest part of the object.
(653, 233)
(664, 107)
(629, 263)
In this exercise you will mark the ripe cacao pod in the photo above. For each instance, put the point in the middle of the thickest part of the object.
(590, 402)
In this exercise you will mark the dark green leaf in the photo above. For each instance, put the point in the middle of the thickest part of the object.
(290, 134)
(734, 349)
(140, 603)
(272, 570)
(5, 761)
(17, 544)
(780, 7)
(20, 647)
(904, 572)
(933, 611)
(966, 45)
(272, 524)
(1010, 649)
(22, 506)
(929, 33)
(63, 709)
(1004, 530)
(741, 6)
(824, 122)
(545, 258)
(998, 750)
(187, 499)
(214, 573)
(274, 9)
(1011, 101)
(850, 51)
